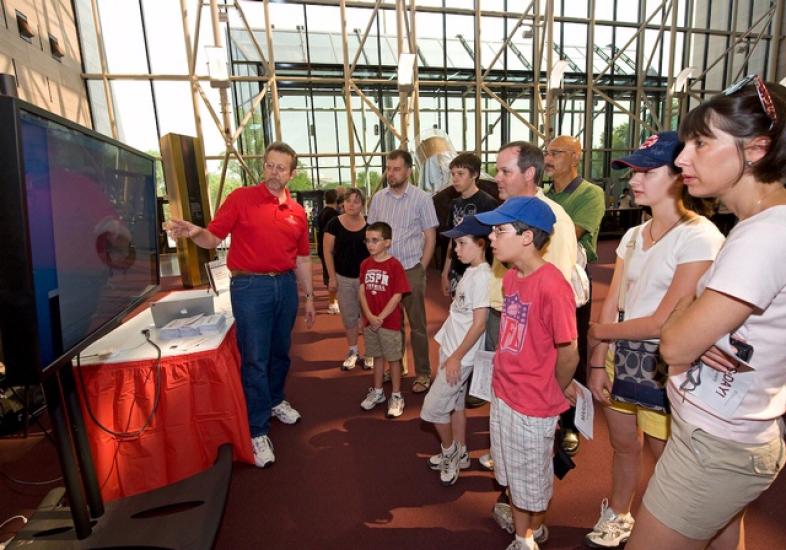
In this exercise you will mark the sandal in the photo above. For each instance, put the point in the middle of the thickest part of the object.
(421, 384)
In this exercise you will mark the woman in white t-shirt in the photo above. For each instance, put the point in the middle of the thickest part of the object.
(659, 262)
(726, 353)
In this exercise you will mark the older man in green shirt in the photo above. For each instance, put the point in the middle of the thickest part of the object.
(585, 204)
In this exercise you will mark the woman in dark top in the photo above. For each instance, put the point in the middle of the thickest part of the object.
(344, 248)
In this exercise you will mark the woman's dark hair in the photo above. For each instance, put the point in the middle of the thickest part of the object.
(741, 115)
(357, 192)
(539, 237)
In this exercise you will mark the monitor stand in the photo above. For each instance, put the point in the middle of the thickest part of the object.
(183, 515)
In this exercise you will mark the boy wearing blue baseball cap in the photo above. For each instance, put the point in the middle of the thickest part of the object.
(534, 364)
(459, 339)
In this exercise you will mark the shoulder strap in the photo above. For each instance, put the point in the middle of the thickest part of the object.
(626, 260)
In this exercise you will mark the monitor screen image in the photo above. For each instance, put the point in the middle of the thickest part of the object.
(87, 211)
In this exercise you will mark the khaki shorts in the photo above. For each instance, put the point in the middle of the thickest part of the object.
(701, 481)
(652, 423)
(442, 398)
(523, 448)
(383, 343)
(348, 300)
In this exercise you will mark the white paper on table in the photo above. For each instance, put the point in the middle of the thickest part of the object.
(481, 375)
(585, 410)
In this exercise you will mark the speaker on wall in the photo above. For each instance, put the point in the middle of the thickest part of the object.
(184, 171)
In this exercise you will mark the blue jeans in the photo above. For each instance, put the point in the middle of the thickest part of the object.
(265, 308)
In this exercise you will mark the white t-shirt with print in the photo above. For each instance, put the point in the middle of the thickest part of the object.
(751, 267)
(472, 292)
(650, 272)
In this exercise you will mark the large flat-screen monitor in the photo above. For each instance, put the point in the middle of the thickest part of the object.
(78, 245)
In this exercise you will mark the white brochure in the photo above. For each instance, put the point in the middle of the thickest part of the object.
(585, 410)
(481, 375)
(723, 391)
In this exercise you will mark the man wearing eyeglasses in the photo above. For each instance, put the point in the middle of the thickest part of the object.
(268, 257)
(585, 204)
(410, 212)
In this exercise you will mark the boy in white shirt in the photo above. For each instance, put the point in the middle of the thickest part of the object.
(459, 340)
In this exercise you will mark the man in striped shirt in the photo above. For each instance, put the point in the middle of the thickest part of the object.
(410, 212)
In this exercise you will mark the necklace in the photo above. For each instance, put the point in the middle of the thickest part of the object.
(675, 224)
(758, 206)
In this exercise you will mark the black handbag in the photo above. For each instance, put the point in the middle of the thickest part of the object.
(562, 461)
(640, 375)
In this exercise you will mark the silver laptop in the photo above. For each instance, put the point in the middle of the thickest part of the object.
(165, 310)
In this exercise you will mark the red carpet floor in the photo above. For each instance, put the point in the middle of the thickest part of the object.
(349, 479)
(346, 478)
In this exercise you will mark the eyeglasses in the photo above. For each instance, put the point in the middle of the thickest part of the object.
(692, 378)
(765, 99)
(373, 240)
(270, 167)
(498, 230)
(554, 152)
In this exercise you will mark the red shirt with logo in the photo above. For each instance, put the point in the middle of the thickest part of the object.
(538, 313)
(267, 236)
(381, 280)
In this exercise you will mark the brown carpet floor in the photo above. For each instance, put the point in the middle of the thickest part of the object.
(350, 479)
(346, 478)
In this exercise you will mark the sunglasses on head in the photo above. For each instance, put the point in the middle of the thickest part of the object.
(765, 99)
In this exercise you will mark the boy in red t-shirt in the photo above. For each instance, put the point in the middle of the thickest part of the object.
(382, 284)
(534, 363)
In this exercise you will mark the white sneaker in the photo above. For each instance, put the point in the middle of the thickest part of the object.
(449, 469)
(486, 461)
(351, 361)
(333, 308)
(285, 413)
(368, 363)
(516, 545)
(395, 406)
(503, 515)
(541, 534)
(373, 398)
(611, 529)
(263, 451)
(435, 461)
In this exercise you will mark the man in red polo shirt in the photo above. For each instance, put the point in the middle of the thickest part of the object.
(269, 255)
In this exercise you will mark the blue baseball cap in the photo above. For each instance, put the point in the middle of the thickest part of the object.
(656, 151)
(468, 226)
(529, 210)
